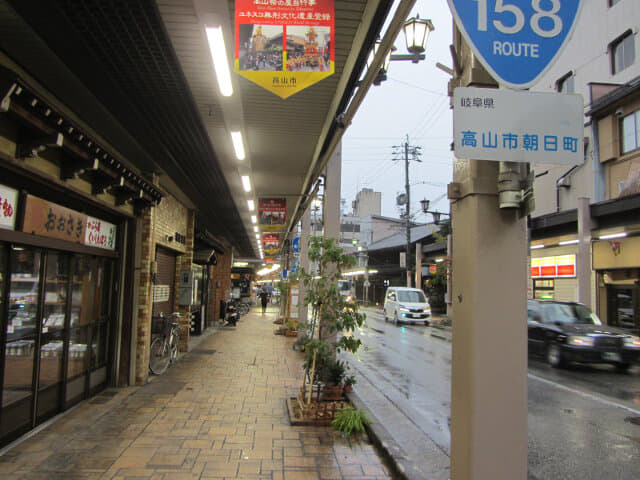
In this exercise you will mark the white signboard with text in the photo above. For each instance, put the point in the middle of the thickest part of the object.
(517, 126)
(8, 207)
(99, 233)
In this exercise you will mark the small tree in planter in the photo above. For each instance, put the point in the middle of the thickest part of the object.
(333, 319)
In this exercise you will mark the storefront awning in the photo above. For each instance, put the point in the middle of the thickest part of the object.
(205, 256)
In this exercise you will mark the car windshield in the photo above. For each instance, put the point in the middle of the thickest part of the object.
(411, 296)
(569, 313)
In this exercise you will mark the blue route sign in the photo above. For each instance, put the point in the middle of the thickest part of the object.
(296, 244)
(516, 40)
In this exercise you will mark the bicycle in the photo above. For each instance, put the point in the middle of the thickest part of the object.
(164, 348)
(243, 308)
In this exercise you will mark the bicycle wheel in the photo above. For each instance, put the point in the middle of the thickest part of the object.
(244, 308)
(158, 356)
(173, 347)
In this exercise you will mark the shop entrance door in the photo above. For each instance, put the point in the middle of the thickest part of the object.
(21, 273)
(57, 311)
(624, 306)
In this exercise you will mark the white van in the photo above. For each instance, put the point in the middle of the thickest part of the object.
(403, 304)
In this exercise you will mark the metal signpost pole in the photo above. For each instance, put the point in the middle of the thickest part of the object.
(489, 360)
(512, 45)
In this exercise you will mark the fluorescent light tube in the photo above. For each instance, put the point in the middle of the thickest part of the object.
(238, 146)
(220, 61)
(536, 247)
(255, 228)
(568, 242)
(613, 235)
(254, 219)
(246, 183)
(252, 205)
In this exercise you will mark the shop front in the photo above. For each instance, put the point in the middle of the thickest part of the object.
(68, 213)
(58, 272)
(617, 263)
(203, 261)
(553, 277)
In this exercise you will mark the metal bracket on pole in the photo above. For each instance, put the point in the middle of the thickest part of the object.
(509, 189)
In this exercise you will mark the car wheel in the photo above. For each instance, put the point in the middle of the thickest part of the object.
(395, 319)
(622, 367)
(554, 356)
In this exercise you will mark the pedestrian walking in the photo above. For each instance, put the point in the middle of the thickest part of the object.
(264, 298)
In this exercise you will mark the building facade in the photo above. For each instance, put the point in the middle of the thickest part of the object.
(91, 250)
(587, 215)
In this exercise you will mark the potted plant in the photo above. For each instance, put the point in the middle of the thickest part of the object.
(291, 330)
(349, 382)
(350, 421)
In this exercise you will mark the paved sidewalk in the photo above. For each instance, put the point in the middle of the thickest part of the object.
(218, 413)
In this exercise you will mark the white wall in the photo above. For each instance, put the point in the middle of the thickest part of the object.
(587, 55)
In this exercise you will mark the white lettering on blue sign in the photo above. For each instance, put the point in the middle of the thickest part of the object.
(516, 49)
(514, 141)
(516, 40)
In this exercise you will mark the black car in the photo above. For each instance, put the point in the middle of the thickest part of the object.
(565, 332)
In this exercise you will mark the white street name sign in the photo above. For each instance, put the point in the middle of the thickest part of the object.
(517, 126)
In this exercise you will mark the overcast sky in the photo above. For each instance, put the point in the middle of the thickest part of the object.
(413, 101)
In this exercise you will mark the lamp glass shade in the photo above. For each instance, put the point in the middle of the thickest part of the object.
(387, 60)
(425, 205)
(416, 32)
(436, 217)
(372, 54)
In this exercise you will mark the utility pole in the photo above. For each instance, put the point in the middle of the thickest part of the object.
(415, 153)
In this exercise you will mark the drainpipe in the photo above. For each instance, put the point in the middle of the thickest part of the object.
(598, 171)
(561, 183)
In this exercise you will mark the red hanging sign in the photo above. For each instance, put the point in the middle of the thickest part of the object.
(285, 46)
(272, 213)
(270, 243)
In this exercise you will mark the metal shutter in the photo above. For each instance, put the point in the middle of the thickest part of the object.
(165, 282)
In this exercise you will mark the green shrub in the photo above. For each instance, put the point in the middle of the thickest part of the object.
(350, 421)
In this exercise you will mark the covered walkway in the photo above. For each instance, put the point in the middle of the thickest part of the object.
(218, 412)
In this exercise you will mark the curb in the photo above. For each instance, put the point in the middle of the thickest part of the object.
(441, 337)
(385, 444)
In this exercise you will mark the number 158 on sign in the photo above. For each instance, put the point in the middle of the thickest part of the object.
(516, 39)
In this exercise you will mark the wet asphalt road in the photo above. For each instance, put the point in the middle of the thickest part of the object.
(579, 420)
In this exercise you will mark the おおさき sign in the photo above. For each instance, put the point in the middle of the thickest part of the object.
(516, 40)
(515, 126)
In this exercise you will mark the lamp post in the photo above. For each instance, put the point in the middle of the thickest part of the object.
(416, 32)
(436, 215)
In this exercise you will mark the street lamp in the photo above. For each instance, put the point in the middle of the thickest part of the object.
(416, 33)
(382, 73)
(436, 215)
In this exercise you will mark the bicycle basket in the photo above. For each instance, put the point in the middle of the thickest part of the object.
(160, 325)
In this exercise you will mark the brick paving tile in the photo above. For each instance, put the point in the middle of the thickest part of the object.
(215, 416)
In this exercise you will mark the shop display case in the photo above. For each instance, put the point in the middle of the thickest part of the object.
(23, 306)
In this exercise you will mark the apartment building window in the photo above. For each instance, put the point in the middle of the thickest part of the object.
(623, 52)
(631, 132)
(566, 84)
